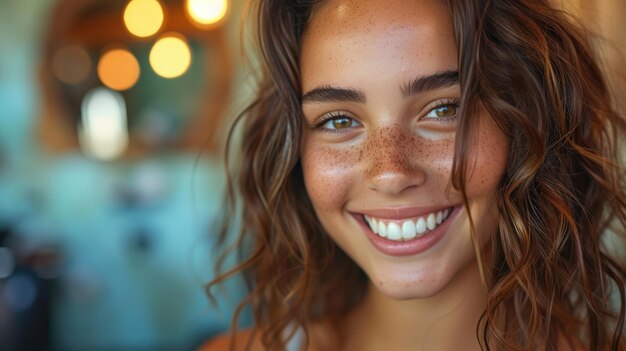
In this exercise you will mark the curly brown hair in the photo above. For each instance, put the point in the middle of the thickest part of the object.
(552, 272)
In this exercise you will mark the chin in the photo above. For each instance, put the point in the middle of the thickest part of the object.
(410, 286)
(408, 293)
(442, 275)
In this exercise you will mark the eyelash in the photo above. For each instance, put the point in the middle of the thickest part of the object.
(451, 102)
(319, 124)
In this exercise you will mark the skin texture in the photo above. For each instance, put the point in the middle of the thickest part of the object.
(391, 156)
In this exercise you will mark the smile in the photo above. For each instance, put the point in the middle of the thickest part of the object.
(409, 228)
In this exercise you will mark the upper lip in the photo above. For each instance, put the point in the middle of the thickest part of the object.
(402, 212)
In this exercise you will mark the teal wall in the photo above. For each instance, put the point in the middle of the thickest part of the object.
(132, 272)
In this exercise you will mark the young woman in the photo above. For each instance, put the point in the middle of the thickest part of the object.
(429, 175)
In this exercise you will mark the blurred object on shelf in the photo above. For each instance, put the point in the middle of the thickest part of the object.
(103, 128)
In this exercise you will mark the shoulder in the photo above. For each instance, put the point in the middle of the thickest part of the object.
(223, 342)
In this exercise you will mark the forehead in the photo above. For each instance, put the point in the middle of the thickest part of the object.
(347, 39)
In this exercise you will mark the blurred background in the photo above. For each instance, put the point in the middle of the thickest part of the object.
(112, 113)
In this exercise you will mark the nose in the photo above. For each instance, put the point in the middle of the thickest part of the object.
(392, 164)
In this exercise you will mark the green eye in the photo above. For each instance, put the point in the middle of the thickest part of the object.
(444, 111)
(339, 123)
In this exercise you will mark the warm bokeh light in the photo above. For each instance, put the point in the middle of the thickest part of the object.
(118, 69)
(143, 18)
(71, 64)
(103, 132)
(207, 12)
(170, 56)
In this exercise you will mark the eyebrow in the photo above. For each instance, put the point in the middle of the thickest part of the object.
(332, 94)
(439, 80)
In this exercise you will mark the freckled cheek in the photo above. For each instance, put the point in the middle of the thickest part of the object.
(439, 157)
(489, 162)
(329, 174)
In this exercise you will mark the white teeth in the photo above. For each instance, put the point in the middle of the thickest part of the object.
(374, 224)
(420, 226)
(382, 229)
(430, 222)
(393, 231)
(407, 229)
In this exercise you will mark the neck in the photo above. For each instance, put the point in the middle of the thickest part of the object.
(441, 322)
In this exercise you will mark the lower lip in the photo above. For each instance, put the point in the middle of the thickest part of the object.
(409, 247)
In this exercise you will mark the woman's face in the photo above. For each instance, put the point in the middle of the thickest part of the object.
(380, 93)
